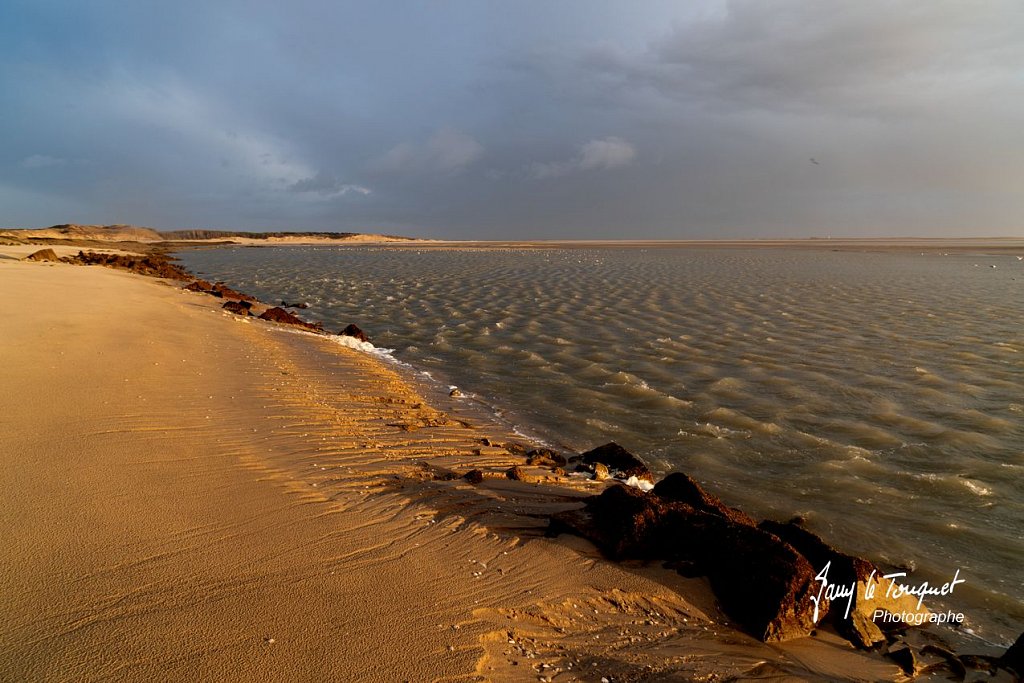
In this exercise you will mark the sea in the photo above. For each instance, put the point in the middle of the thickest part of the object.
(877, 395)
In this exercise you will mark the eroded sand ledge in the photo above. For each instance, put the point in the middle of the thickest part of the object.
(193, 497)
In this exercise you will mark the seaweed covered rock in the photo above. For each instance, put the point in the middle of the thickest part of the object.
(618, 459)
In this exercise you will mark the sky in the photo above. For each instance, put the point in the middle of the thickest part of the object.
(521, 119)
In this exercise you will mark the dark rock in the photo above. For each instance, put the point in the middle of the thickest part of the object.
(682, 488)
(516, 473)
(285, 304)
(621, 521)
(687, 568)
(474, 476)
(237, 307)
(545, 457)
(617, 458)
(859, 627)
(904, 658)
(223, 291)
(982, 662)
(156, 264)
(626, 523)
(279, 315)
(949, 661)
(200, 286)
(762, 583)
(43, 255)
(1013, 658)
(455, 393)
(352, 330)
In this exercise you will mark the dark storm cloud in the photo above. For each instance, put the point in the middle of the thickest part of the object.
(493, 120)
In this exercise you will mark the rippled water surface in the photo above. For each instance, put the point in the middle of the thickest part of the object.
(879, 395)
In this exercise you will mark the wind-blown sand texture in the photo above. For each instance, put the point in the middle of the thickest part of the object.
(188, 496)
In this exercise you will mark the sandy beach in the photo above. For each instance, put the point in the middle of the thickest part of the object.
(194, 497)
(494, 341)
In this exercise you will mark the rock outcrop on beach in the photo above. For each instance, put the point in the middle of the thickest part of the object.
(238, 307)
(224, 292)
(772, 603)
(1013, 658)
(545, 457)
(43, 255)
(159, 264)
(766, 576)
(243, 304)
(618, 460)
(200, 286)
(682, 488)
(279, 315)
(155, 264)
(352, 330)
(219, 290)
(859, 626)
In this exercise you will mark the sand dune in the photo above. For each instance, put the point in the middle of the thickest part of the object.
(192, 497)
(141, 236)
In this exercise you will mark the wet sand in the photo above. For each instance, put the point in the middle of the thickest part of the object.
(193, 497)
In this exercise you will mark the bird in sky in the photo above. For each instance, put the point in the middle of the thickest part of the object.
(815, 161)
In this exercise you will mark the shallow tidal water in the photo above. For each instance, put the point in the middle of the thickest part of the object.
(879, 395)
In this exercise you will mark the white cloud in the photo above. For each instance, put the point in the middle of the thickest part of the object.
(326, 185)
(43, 161)
(447, 150)
(604, 154)
(608, 153)
(211, 131)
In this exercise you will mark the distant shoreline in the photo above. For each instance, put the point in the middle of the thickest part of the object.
(146, 239)
(1008, 245)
